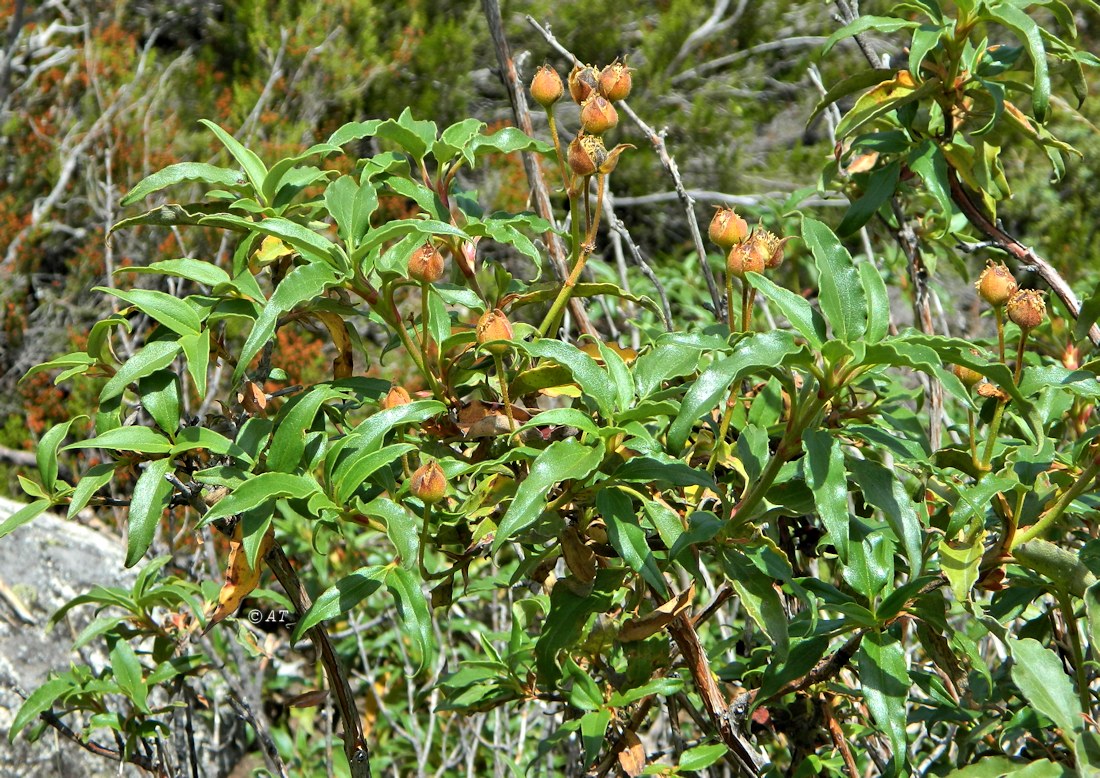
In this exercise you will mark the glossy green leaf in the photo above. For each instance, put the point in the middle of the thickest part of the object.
(412, 614)
(402, 528)
(260, 489)
(40, 701)
(565, 621)
(294, 421)
(667, 359)
(562, 460)
(140, 439)
(857, 82)
(159, 393)
(357, 468)
(1031, 34)
(593, 726)
(1038, 674)
(880, 187)
(308, 243)
(884, 677)
(841, 294)
(754, 352)
(702, 757)
(302, 284)
(154, 356)
(878, 302)
(879, 24)
(46, 452)
(827, 478)
(147, 503)
(24, 515)
(798, 310)
(959, 561)
(507, 141)
(592, 379)
(91, 482)
(760, 600)
(180, 173)
(172, 312)
(882, 489)
(246, 158)
(342, 596)
(412, 135)
(352, 206)
(884, 99)
(127, 672)
(628, 538)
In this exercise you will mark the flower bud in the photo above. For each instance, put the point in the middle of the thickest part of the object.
(426, 264)
(996, 284)
(397, 396)
(970, 378)
(586, 154)
(598, 115)
(583, 80)
(615, 81)
(727, 228)
(428, 483)
(744, 258)
(1071, 357)
(546, 86)
(494, 326)
(1027, 309)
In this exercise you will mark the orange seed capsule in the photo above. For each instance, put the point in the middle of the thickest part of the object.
(996, 284)
(397, 396)
(1027, 309)
(598, 115)
(583, 80)
(428, 483)
(426, 264)
(491, 327)
(615, 81)
(727, 228)
(546, 86)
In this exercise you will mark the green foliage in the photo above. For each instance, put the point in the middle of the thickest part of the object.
(600, 505)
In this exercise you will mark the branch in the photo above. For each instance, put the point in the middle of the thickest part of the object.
(729, 59)
(1022, 253)
(657, 139)
(535, 179)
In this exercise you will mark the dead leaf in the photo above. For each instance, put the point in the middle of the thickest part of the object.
(656, 620)
(240, 579)
(632, 757)
(579, 558)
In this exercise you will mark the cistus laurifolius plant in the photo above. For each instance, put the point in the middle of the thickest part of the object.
(739, 548)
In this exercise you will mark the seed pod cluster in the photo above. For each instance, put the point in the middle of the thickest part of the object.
(753, 252)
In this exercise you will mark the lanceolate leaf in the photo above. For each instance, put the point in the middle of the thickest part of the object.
(170, 311)
(153, 357)
(593, 380)
(827, 478)
(802, 316)
(46, 454)
(884, 676)
(150, 498)
(260, 489)
(183, 172)
(882, 489)
(841, 293)
(1037, 672)
(342, 596)
(561, 461)
(1028, 29)
(413, 615)
(756, 351)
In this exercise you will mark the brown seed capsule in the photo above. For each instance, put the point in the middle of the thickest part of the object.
(491, 327)
(1027, 309)
(598, 115)
(397, 396)
(428, 483)
(546, 86)
(727, 228)
(744, 258)
(426, 264)
(583, 80)
(615, 81)
(996, 285)
(970, 378)
(771, 246)
(586, 154)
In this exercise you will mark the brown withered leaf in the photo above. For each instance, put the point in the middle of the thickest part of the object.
(252, 398)
(656, 620)
(863, 162)
(240, 579)
(632, 757)
(310, 699)
(579, 558)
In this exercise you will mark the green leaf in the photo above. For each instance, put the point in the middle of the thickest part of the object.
(628, 538)
(669, 358)
(159, 393)
(22, 516)
(154, 356)
(258, 490)
(880, 187)
(592, 379)
(621, 377)
(170, 311)
(884, 676)
(301, 284)
(562, 460)
(1038, 674)
(308, 243)
(959, 562)
(841, 293)
(140, 439)
(760, 599)
(401, 528)
(413, 616)
(40, 701)
(46, 453)
(351, 205)
(827, 479)
(567, 616)
(148, 501)
(702, 757)
(1031, 34)
(90, 483)
(294, 421)
(756, 351)
(802, 316)
(128, 674)
(455, 138)
(197, 270)
(882, 489)
(866, 77)
(357, 468)
(341, 597)
(197, 350)
(183, 172)
(928, 162)
(562, 417)
(880, 24)
(884, 99)
(249, 162)
(593, 725)
(354, 131)
(506, 141)
(399, 228)
(878, 302)
(673, 472)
